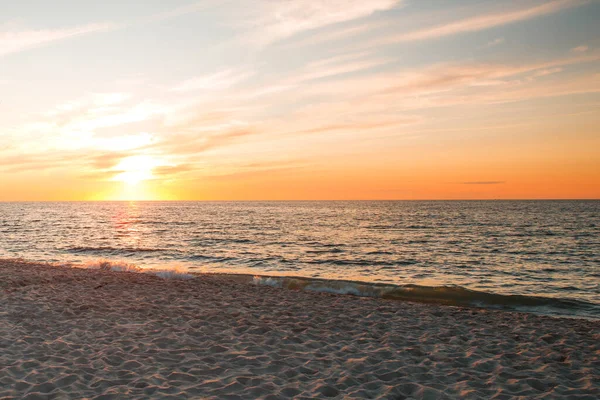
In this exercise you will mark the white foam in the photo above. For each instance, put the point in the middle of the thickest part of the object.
(121, 266)
(170, 273)
(267, 281)
(117, 266)
(347, 289)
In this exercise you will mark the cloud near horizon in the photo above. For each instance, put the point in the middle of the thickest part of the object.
(484, 183)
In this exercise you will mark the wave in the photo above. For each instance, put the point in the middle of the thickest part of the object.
(120, 266)
(112, 250)
(446, 295)
(359, 262)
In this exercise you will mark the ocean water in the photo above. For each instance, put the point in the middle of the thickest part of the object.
(539, 256)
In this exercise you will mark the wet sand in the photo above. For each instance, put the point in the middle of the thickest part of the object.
(77, 333)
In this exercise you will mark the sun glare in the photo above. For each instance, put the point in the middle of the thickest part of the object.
(136, 169)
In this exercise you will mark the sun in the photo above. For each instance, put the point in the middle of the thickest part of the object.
(136, 169)
(138, 178)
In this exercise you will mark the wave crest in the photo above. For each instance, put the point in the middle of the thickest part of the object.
(447, 295)
(121, 266)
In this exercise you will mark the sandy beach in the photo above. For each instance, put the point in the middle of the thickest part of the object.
(81, 333)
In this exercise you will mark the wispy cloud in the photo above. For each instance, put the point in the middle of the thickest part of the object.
(14, 41)
(545, 72)
(580, 49)
(180, 11)
(483, 183)
(333, 36)
(361, 126)
(281, 19)
(96, 121)
(324, 69)
(171, 170)
(334, 67)
(481, 22)
(220, 80)
(495, 42)
(441, 78)
(91, 102)
(245, 174)
(348, 105)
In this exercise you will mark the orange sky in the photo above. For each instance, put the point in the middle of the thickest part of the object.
(383, 99)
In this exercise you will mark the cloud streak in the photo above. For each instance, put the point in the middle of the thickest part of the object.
(281, 19)
(14, 41)
(220, 80)
(481, 22)
(17, 41)
(483, 183)
(443, 79)
(495, 42)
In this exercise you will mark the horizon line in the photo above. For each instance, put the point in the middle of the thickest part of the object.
(289, 200)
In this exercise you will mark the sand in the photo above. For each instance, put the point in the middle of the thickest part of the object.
(75, 333)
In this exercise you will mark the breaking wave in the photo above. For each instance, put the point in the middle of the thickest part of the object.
(121, 266)
(446, 295)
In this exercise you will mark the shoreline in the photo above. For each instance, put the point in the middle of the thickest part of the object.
(449, 294)
(70, 332)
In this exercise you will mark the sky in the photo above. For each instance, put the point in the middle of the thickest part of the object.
(299, 100)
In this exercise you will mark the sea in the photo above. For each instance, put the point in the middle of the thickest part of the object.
(532, 256)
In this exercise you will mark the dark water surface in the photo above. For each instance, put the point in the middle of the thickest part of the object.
(525, 248)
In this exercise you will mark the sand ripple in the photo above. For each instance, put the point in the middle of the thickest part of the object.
(70, 333)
